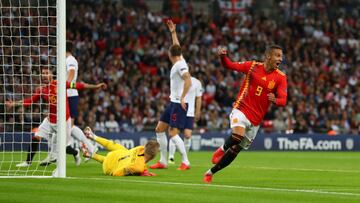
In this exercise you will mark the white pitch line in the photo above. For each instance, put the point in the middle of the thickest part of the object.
(303, 169)
(274, 168)
(224, 186)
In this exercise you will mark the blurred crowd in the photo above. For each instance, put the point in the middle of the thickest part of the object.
(126, 46)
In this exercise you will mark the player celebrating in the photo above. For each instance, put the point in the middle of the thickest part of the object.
(193, 98)
(121, 161)
(48, 93)
(175, 112)
(264, 84)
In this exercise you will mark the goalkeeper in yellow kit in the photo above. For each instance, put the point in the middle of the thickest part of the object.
(121, 161)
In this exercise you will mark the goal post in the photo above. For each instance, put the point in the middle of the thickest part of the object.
(61, 77)
(32, 38)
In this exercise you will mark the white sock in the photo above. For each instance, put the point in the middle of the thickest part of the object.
(187, 143)
(181, 147)
(53, 147)
(172, 149)
(162, 140)
(78, 134)
(209, 172)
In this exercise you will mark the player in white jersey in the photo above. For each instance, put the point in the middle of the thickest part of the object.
(73, 98)
(193, 98)
(175, 113)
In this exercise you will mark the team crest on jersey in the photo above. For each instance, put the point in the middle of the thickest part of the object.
(235, 120)
(271, 84)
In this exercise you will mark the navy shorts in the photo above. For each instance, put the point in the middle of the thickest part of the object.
(73, 104)
(174, 115)
(189, 123)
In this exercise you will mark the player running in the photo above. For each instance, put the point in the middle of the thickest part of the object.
(121, 161)
(264, 84)
(175, 113)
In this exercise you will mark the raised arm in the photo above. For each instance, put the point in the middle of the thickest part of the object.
(243, 67)
(172, 29)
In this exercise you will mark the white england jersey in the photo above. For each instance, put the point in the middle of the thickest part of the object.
(176, 80)
(196, 90)
(72, 64)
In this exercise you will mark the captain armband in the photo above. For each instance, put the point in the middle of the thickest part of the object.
(72, 85)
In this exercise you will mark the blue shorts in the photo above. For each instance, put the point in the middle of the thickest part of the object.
(189, 124)
(73, 104)
(174, 115)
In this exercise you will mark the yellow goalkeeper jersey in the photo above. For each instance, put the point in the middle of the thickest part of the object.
(125, 162)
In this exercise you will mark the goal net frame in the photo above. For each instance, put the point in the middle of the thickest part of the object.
(60, 171)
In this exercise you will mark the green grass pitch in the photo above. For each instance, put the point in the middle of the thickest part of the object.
(252, 177)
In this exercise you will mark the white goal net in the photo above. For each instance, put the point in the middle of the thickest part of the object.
(28, 44)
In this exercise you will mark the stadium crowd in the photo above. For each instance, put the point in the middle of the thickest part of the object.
(127, 48)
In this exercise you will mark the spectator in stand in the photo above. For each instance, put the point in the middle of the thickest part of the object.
(112, 125)
(122, 45)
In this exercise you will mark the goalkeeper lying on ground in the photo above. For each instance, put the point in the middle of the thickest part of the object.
(121, 161)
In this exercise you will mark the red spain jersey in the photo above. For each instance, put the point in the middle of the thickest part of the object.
(252, 99)
(48, 93)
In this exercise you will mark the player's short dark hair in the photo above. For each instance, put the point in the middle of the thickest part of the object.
(69, 46)
(152, 148)
(271, 47)
(51, 69)
(175, 50)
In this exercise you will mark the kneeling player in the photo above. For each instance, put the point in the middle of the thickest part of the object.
(121, 161)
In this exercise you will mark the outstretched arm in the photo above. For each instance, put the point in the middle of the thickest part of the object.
(172, 29)
(81, 86)
(25, 102)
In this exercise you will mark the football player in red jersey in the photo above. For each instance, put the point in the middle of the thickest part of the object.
(48, 92)
(264, 84)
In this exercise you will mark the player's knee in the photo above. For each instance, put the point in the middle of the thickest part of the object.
(173, 131)
(158, 129)
(237, 137)
(187, 136)
(187, 133)
(36, 138)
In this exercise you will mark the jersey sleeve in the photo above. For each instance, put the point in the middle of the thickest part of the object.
(182, 68)
(243, 67)
(281, 92)
(75, 85)
(199, 90)
(71, 64)
(34, 98)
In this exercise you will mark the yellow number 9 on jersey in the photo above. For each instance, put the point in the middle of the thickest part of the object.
(259, 90)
